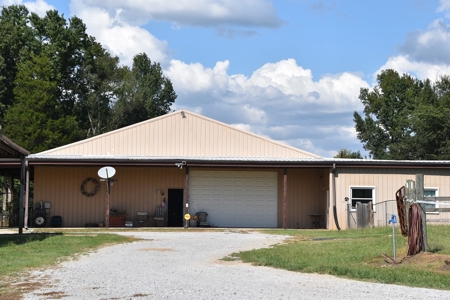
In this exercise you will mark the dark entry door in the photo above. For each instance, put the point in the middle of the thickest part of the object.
(175, 208)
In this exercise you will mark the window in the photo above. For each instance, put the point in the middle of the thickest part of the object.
(431, 192)
(363, 194)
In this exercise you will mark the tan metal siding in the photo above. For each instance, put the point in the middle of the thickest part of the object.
(307, 194)
(173, 135)
(386, 182)
(135, 191)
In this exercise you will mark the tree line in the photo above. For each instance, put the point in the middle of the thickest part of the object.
(59, 85)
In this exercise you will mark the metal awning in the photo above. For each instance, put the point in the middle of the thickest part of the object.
(12, 161)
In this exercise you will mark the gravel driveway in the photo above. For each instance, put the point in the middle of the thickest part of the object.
(186, 265)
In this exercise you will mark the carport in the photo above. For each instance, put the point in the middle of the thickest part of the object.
(12, 164)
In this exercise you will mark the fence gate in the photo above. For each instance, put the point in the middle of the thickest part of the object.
(364, 215)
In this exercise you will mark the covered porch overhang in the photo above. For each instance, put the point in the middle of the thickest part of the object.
(290, 194)
(13, 164)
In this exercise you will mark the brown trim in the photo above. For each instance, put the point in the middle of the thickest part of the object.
(232, 164)
(10, 163)
(285, 198)
(433, 166)
(170, 164)
(17, 150)
(186, 192)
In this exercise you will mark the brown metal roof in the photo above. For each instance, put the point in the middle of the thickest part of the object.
(9, 149)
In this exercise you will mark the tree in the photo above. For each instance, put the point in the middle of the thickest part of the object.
(145, 93)
(37, 120)
(431, 122)
(405, 118)
(100, 78)
(16, 44)
(89, 91)
(347, 153)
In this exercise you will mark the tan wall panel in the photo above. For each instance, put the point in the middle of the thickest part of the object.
(173, 135)
(386, 182)
(307, 194)
(136, 190)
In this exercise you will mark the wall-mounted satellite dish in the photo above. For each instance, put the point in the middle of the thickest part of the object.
(106, 172)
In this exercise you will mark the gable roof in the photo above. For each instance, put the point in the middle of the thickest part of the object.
(179, 134)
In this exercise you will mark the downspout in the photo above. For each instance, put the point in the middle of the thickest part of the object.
(21, 193)
(334, 198)
(27, 195)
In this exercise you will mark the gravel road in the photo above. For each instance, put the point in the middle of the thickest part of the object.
(187, 265)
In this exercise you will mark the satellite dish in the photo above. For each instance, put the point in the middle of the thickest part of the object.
(106, 172)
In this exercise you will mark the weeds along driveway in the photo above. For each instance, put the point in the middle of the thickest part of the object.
(186, 264)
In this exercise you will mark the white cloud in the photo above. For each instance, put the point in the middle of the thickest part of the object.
(425, 54)
(431, 45)
(283, 84)
(445, 6)
(205, 13)
(39, 7)
(120, 38)
(422, 70)
(304, 144)
(10, 2)
(254, 115)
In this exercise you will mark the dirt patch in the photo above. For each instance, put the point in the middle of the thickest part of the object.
(14, 287)
(425, 261)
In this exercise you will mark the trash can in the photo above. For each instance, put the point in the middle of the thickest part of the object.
(202, 216)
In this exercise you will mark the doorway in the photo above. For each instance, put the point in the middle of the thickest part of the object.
(175, 208)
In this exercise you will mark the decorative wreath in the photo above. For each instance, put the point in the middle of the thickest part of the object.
(93, 192)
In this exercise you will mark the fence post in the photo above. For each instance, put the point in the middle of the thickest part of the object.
(410, 195)
(419, 196)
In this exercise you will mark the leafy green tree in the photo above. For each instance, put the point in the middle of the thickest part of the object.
(386, 128)
(37, 120)
(145, 93)
(65, 42)
(430, 122)
(405, 118)
(100, 78)
(17, 42)
(89, 95)
(347, 153)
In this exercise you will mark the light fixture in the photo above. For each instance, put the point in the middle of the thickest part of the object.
(180, 164)
(182, 114)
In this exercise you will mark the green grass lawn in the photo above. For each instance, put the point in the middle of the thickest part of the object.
(357, 254)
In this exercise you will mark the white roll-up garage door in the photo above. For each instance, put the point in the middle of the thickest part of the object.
(235, 198)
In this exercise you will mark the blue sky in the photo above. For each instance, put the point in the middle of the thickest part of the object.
(289, 70)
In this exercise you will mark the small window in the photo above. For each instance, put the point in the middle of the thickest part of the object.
(431, 192)
(362, 194)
